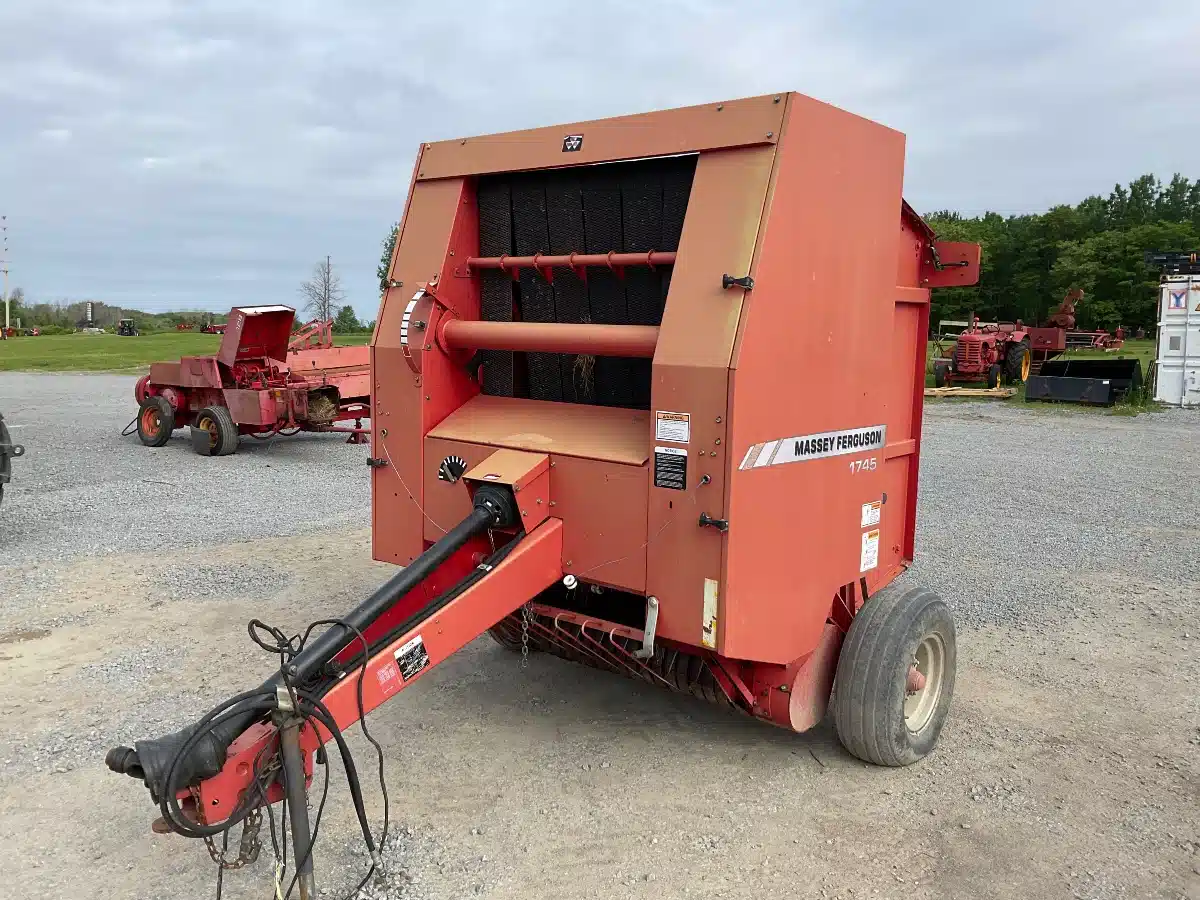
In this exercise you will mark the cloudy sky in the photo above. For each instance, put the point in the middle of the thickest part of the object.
(168, 154)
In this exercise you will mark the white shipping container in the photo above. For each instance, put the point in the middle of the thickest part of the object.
(1178, 376)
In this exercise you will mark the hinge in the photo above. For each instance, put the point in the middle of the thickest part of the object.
(708, 521)
(376, 463)
(746, 283)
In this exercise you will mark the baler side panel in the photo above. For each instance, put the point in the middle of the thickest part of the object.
(691, 376)
(400, 410)
(810, 361)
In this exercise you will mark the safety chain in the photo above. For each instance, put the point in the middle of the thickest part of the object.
(526, 616)
(248, 847)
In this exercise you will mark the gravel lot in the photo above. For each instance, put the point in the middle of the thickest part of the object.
(1065, 541)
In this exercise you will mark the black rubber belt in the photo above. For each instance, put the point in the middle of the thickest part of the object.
(496, 292)
(537, 294)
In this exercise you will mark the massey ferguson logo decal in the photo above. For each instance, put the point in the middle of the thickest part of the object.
(572, 143)
(815, 446)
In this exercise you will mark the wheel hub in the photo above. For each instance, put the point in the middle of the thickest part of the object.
(923, 682)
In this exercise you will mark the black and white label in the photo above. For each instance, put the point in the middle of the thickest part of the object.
(412, 658)
(572, 143)
(670, 468)
(815, 446)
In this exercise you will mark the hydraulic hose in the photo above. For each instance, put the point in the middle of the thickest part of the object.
(188, 756)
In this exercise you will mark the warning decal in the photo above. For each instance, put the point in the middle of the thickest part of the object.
(670, 468)
(815, 446)
(389, 679)
(869, 558)
(870, 514)
(412, 658)
(672, 426)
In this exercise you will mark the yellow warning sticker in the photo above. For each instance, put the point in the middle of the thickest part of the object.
(871, 513)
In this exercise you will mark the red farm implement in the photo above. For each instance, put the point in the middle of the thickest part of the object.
(594, 437)
(261, 382)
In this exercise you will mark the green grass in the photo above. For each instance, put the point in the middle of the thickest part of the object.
(112, 353)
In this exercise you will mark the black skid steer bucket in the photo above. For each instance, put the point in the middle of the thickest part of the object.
(1095, 382)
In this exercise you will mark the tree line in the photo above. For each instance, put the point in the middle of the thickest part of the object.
(1031, 261)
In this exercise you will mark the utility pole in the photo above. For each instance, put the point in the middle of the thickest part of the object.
(4, 265)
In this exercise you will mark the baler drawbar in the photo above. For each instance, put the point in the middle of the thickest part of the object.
(640, 363)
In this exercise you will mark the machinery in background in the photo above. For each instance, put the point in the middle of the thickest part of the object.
(8, 452)
(260, 383)
(1177, 369)
(596, 435)
(1012, 353)
(127, 328)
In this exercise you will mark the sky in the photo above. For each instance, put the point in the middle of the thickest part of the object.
(188, 154)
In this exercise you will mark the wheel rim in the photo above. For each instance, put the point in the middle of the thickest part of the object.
(930, 662)
(211, 427)
(1025, 367)
(151, 422)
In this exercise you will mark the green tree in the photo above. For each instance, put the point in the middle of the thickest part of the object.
(346, 322)
(385, 259)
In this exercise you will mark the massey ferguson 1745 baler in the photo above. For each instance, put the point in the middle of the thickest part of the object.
(647, 394)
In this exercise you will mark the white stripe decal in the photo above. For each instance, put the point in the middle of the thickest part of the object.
(764, 458)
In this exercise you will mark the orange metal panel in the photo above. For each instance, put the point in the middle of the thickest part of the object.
(691, 376)
(733, 123)
(602, 503)
(723, 216)
(617, 435)
(808, 362)
(398, 414)
(603, 508)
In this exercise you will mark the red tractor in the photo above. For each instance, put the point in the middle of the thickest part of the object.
(996, 353)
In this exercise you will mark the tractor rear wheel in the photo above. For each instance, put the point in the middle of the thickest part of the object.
(940, 371)
(1017, 363)
(155, 421)
(214, 433)
(895, 677)
(993, 375)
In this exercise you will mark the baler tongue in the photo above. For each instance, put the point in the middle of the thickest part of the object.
(259, 746)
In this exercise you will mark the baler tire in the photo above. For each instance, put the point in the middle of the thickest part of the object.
(939, 374)
(870, 694)
(223, 436)
(993, 375)
(1016, 365)
(155, 421)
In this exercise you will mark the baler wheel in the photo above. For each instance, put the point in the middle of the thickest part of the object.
(1017, 364)
(507, 634)
(895, 677)
(993, 375)
(214, 433)
(155, 421)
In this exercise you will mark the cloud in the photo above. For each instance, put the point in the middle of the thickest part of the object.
(206, 152)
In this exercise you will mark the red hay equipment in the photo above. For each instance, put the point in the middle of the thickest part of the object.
(261, 383)
(634, 406)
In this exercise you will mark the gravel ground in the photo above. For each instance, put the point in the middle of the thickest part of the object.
(1065, 542)
(83, 489)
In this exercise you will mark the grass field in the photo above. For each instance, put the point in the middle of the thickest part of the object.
(112, 353)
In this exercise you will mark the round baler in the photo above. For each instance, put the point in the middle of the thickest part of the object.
(631, 407)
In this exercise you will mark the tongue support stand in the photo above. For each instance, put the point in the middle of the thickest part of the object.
(288, 721)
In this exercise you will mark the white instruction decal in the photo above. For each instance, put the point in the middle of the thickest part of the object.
(870, 514)
(672, 426)
(814, 446)
(412, 658)
(869, 558)
(708, 628)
